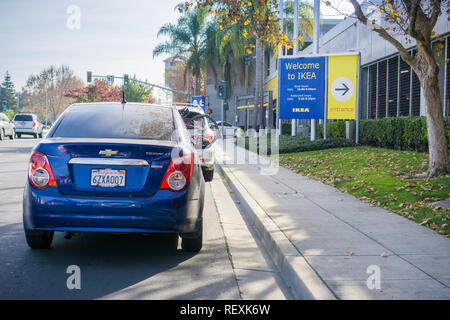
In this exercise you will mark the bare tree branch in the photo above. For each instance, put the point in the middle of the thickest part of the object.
(383, 33)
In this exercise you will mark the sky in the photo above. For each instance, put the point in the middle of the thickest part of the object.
(113, 37)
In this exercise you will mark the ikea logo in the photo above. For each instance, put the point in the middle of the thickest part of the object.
(300, 109)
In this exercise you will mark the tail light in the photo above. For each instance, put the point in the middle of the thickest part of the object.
(39, 172)
(209, 138)
(179, 173)
(34, 124)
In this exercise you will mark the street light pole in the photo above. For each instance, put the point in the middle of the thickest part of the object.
(294, 121)
(280, 53)
(316, 51)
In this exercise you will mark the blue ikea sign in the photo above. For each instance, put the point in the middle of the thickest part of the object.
(198, 101)
(302, 88)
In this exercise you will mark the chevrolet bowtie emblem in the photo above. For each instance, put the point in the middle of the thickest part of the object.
(108, 152)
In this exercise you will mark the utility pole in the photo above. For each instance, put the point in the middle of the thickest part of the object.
(316, 51)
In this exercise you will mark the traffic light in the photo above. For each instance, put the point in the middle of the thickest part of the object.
(89, 76)
(125, 79)
(221, 90)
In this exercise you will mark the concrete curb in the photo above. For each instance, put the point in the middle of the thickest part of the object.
(295, 270)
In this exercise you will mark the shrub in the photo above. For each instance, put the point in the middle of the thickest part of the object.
(402, 133)
(290, 144)
(334, 130)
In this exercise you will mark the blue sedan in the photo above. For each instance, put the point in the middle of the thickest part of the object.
(112, 167)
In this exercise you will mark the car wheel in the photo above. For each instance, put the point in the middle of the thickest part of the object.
(18, 135)
(13, 135)
(40, 135)
(2, 135)
(35, 135)
(38, 239)
(208, 175)
(192, 242)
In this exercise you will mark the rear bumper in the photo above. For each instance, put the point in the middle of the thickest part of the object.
(165, 211)
(208, 158)
(26, 130)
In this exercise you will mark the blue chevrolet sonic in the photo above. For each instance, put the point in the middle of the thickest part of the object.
(113, 167)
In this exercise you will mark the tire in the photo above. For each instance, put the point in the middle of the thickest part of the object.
(40, 135)
(13, 135)
(35, 135)
(208, 175)
(2, 135)
(18, 135)
(193, 242)
(38, 239)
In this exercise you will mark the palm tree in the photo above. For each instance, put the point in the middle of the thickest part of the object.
(305, 19)
(305, 28)
(187, 40)
(226, 48)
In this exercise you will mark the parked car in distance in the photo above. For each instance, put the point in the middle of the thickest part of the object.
(228, 130)
(28, 124)
(108, 167)
(204, 135)
(7, 128)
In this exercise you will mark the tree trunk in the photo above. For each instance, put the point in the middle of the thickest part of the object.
(259, 81)
(427, 71)
(195, 84)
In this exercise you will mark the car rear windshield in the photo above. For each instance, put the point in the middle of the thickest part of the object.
(117, 122)
(23, 117)
(187, 118)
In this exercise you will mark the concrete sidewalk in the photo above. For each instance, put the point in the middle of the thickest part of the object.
(330, 245)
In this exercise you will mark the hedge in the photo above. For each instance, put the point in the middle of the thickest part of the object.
(402, 133)
(290, 144)
(334, 130)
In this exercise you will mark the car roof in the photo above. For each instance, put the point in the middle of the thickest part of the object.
(191, 109)
(25, 114)
(103, 104)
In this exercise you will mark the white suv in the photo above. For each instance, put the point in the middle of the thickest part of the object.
(28, 123)
(203, 137)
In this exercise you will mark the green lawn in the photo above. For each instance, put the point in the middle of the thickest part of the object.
(380, 177)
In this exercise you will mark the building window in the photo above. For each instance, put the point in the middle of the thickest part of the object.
(447, 85)
(415, 91)
(404, 88)
(392, 86)
(372, 108)
(364, 86)
(381, 101)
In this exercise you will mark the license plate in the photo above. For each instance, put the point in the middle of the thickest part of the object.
(108, 178)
